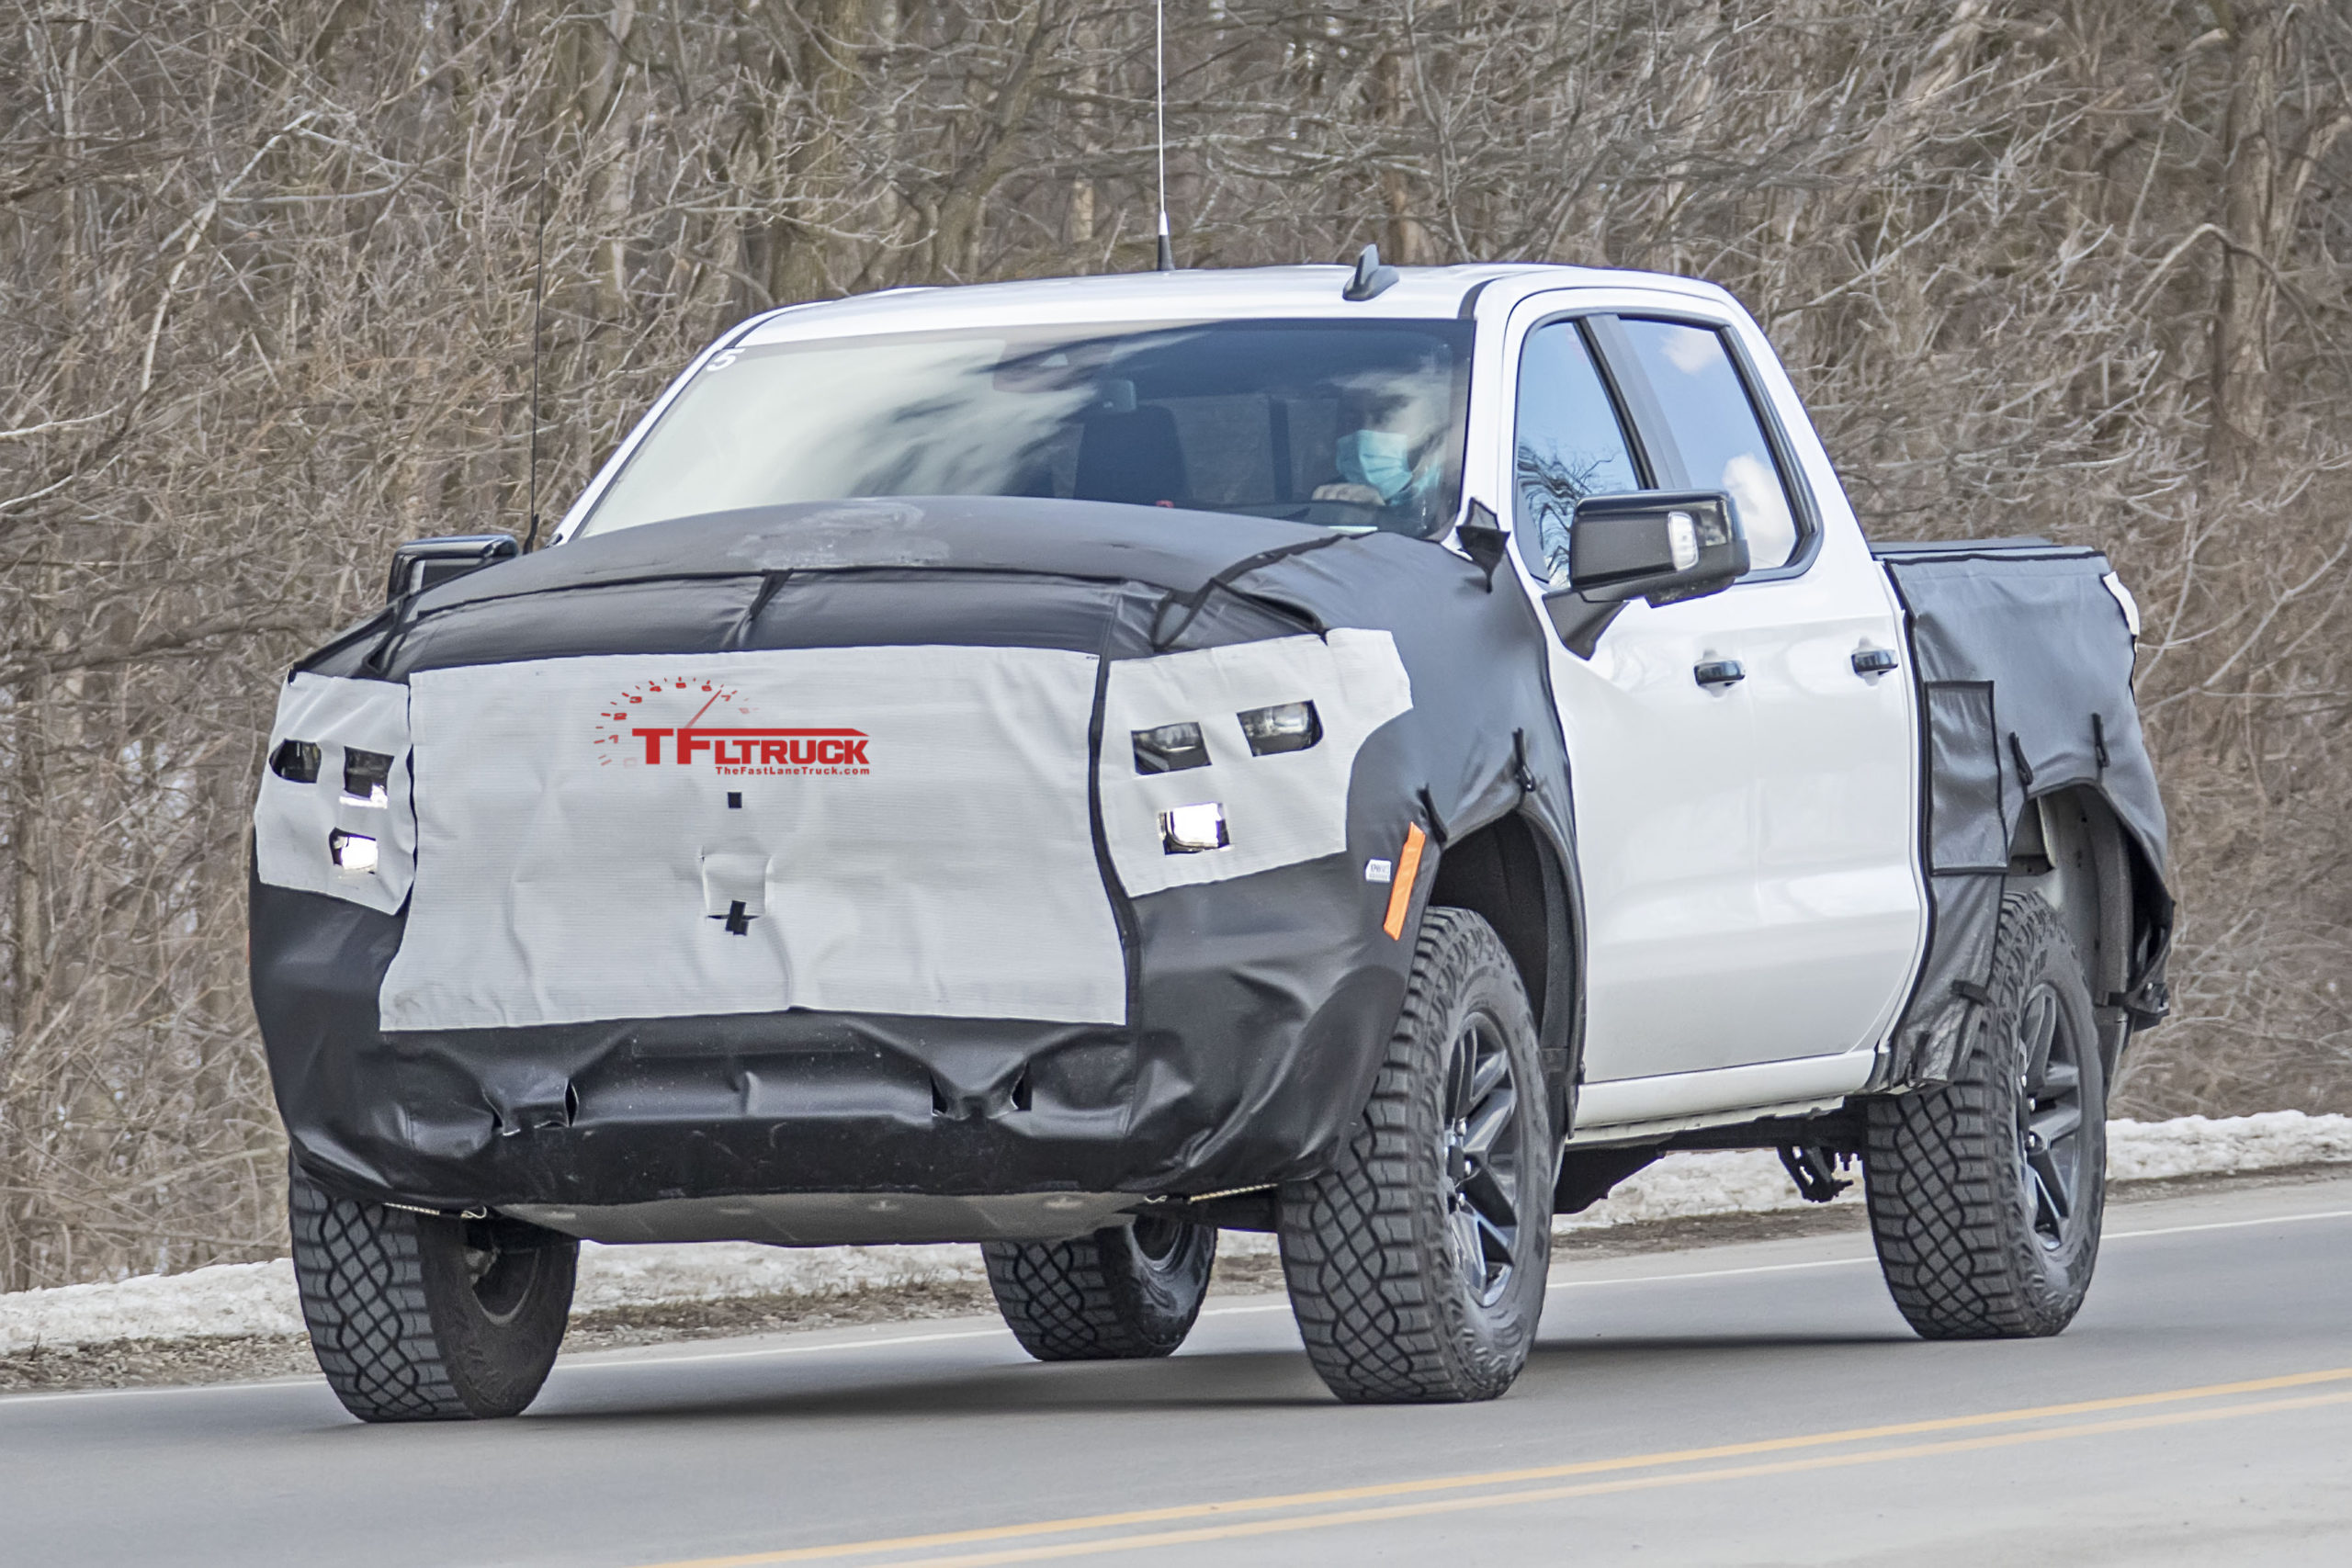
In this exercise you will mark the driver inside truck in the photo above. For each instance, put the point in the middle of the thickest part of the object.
(1390, 452)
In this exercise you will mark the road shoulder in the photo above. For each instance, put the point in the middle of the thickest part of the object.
(1652, 1248)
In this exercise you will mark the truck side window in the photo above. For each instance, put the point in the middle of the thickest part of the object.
(1712, 421)
(1568, 445)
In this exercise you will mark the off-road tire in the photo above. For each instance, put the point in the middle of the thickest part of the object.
(1964, 1233)
(402, 1328)
(1125, 1293)
(1389, 1311)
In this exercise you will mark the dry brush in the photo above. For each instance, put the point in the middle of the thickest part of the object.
(266, 307)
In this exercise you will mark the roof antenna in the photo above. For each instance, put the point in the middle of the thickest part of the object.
(538, 298)
(1159, 105)
(1370, 278)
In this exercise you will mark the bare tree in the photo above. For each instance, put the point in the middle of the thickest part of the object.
(266, 307)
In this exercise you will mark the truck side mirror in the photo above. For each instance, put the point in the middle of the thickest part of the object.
(421, 564)
(1663, 546)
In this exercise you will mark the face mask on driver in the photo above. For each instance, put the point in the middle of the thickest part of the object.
(1380, 459)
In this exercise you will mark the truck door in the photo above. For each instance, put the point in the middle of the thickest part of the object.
(1744, 790)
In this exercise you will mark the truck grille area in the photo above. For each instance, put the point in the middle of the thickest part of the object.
(887, 829)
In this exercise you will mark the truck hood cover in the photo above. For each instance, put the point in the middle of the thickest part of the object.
(1100, 541)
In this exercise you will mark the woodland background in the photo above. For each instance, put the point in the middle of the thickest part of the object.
(2074, 268)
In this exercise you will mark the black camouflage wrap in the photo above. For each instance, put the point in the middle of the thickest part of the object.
(1258, 1007)
(2023, 663)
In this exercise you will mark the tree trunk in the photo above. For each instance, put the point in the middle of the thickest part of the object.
(1404, 240)
(2241, 357)
(827, 66)
(27, 840)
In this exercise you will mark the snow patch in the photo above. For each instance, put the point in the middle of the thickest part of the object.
(667, 1272)
(2206, 1145)
(227, 1301)
(242, 1299)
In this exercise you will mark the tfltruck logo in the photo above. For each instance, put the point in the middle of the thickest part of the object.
(687, 722)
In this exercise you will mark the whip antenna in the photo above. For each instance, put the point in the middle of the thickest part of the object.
(539, 297)
(1159, 108)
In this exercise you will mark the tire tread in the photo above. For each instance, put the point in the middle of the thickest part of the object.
(361, 1275)
(1939, 1175)
(1079, 1300)
(1363, 1284)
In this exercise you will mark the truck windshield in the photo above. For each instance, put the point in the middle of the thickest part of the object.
(1347, 425)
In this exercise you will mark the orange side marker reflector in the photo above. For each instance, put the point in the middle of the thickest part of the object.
(1400, 892)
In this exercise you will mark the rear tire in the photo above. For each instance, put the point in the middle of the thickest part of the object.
(428, 1317)
(1125, 1293)
(1986, 1194)
(1417, 1263)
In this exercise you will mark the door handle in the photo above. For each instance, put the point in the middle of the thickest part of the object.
(1875, 661)
(1719, 673)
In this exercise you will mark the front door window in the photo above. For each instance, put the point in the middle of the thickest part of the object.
(1567, 443)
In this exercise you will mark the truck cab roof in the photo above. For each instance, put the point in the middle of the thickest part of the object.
(1420, 293)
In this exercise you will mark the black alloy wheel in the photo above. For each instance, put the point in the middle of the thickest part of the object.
(1128, 1292)
(1157, 1239)
(1417, 1263)
(1986, 1194)
(505, 1278)
(2051, 1145)
(428, 1316)
(1482, 1156)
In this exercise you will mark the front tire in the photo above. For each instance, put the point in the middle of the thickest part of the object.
(1125, 1293)
(1417, 1264)
(1986, 1194)
(428, 1317)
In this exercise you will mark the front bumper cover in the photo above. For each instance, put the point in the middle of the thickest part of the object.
(1252, 1056)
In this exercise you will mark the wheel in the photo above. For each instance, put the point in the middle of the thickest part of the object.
(1417, 1263)
(428, 1317)
(1986, 1194)
(1120, 1294)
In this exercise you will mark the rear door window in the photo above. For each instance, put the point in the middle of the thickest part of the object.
(1712, 424)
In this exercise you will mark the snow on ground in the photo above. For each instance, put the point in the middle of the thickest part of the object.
(2202, 1146)
(1751, 1180)
(228, 1300)
(719, 1270)
(237, 1299)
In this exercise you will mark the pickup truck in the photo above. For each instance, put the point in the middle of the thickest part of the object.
(1374, 756)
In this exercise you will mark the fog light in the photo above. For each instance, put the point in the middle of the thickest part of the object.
(1171, 748)
(1190, 830)
(351, 852)
(1287, 726)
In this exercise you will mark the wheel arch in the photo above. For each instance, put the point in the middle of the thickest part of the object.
(1510, 874)
(2071, 850)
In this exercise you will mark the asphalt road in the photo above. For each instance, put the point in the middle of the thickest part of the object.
(1752, 1403)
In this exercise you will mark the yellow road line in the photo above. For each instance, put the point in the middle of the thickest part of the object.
(1596, 1488)
(1506, 1477)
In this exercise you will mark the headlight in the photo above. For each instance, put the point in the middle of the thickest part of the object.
(365, 775)
(1171, 748)
(1286, 726)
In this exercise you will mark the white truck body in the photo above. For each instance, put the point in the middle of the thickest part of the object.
(1765, 835)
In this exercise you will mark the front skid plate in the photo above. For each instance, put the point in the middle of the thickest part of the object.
(838, 1219)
